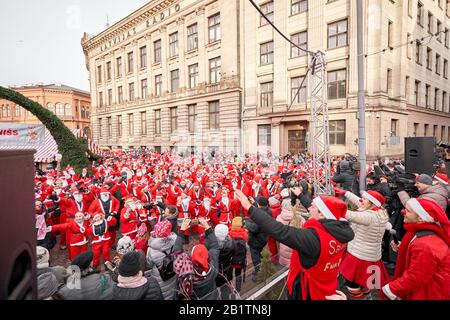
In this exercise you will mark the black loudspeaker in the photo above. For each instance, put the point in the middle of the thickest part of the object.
(420, 155)
(17, 226)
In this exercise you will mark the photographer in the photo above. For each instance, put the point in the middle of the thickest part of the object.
(427, 190)
(346, 177)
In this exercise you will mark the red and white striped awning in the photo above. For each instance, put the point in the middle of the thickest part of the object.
(48, 152)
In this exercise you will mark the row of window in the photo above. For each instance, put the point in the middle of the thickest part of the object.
(430, 22)
(192, 44)
(336, 129)
(337, 88)
(427, 131)
(58, 109)
(440, 99)
(215, 76)
(213, 113)
(433, 61)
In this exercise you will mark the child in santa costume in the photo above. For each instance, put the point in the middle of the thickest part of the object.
(369, 223)
(318, 246)
(423, 261)
(101, 237)
(129, 219)
(77, 231)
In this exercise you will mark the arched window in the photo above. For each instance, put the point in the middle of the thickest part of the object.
(2, 110)
(87, 113)
(68, 110)
(8, 111)
(59, 109)
(50, 107)
(17, 110)
(83, 112)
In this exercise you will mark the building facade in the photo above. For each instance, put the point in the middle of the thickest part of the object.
(407, 87)
(191, 73)
(168, 76)
(71, 105)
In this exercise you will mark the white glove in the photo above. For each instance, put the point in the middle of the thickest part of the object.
(49, 229)
(389, 226)
(109, 218)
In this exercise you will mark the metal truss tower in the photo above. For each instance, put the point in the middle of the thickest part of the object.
(319, 128)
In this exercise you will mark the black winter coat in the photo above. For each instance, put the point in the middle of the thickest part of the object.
(257, 238)
(148, 291)
(227, 251)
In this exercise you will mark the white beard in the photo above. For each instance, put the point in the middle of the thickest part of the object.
(225, 201)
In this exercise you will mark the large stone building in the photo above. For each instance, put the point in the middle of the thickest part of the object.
(182, 72)
(167, 76)
(71, 105)
(407, 88)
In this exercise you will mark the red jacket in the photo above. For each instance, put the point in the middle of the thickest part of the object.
(187, 212)
(239, 233)
(276, 210)
(427, 272)
(97, 207)
(78, 234)
(71, 207)
(128, 225)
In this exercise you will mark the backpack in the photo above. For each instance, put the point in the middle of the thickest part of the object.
(166, 269)
(239, 258)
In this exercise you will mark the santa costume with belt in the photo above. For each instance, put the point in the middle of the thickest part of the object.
(109, 206)
(129, 218)
(77, 231)
(101, 237)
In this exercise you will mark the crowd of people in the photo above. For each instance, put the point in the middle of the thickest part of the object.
(142, 225)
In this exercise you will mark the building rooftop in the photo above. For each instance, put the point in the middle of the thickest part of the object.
(53, 86)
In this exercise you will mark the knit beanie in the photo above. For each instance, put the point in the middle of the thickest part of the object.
(236, 223)
(130, 265)
(42, 257)
(124, 245)
(83, 260)
(47, 285)
(221, 232)
(425, 179)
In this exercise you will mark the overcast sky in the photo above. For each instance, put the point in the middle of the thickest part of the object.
(40, 39)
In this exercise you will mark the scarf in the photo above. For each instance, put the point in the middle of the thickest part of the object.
(411, 230)
(132, 282)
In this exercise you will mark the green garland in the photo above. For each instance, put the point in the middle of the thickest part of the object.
(71, 149)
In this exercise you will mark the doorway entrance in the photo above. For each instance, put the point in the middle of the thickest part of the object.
(296, 141)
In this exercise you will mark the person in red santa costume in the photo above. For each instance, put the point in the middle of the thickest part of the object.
(109, 206)
(77, 231)
(78, 202)
(195, 193)
(101, 237)
(129, 219)
(423, 261)
(318, 247)
(226, 207)
(186, 211)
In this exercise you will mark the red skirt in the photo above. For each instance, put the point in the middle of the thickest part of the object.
(367, 274)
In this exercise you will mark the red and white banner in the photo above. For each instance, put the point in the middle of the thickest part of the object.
(27, 135)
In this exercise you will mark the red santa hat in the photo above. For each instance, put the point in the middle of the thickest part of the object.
(331, 207)
(442, 178)
(375, 197)
(104, 190)
(429, 211)
(200, 257)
